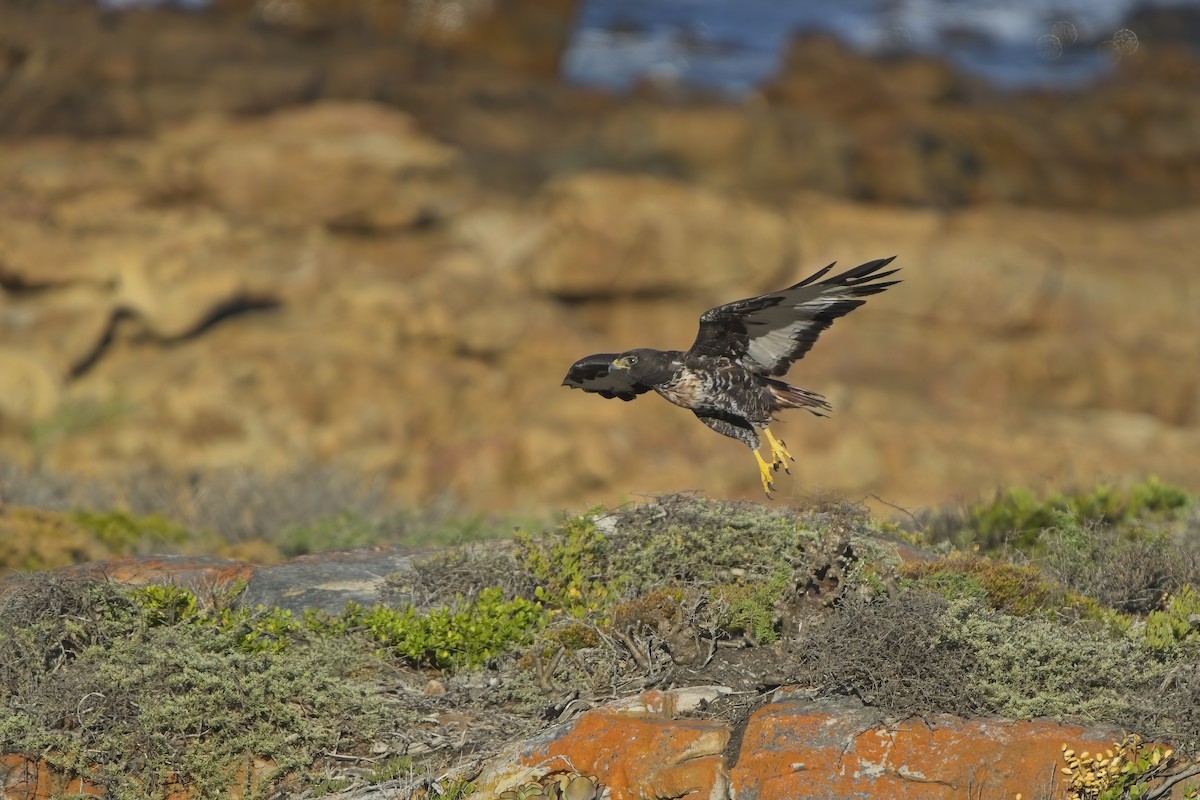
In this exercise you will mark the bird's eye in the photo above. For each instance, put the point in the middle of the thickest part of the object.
(633, 359)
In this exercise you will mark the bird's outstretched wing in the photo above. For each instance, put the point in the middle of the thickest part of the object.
(766, 334)
(591, 374)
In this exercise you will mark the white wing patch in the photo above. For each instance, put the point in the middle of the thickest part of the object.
(771, 348)
(774, 331)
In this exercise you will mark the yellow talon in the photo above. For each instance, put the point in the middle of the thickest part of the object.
(764, 472)
(779, 454)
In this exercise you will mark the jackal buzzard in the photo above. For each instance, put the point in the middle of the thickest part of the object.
(725, 379)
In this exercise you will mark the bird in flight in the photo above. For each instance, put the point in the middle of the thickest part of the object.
(728, 376)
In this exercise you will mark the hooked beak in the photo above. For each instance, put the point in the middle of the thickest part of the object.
(619, 363)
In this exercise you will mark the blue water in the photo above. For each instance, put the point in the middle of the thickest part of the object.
(734, 45)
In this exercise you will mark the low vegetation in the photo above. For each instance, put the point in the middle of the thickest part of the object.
(1020, 518)
(56, 520)
(141, 691)
(1084, 608)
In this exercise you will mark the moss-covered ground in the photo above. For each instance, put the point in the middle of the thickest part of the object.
(1082, 607)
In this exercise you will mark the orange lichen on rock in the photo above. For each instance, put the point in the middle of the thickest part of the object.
(30, 778)
(796, 747)
(819, 750)
(642, 757)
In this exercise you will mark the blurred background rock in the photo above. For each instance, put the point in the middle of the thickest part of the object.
(375, 234)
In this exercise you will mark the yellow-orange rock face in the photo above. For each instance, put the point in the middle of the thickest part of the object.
(334, 283)
(795, 747)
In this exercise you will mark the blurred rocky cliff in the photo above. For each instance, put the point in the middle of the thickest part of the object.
(378, 234)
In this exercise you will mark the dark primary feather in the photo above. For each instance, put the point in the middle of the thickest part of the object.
(591, 374)
(767, 333)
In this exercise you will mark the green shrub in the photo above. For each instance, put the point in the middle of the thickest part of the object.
(266, 630)
(469, 634)
(570, 567)
(1177, 623)
(166, 605)
(1005, 586)
(123, 533)
(1017, 517)
(1154, 497)
(1018, 590)
(751, 608)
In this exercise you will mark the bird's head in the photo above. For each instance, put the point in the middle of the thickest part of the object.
(643, 365)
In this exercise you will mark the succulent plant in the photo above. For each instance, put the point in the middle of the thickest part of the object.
(557, 786)
(581, 787)
(1129, 769)
(528, 791)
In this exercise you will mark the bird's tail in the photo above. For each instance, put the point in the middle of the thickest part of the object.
(788, 396)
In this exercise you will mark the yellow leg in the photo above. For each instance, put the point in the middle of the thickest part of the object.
(779, 454)
(764, 472)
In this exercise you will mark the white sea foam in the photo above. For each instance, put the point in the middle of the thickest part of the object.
(734, 46)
